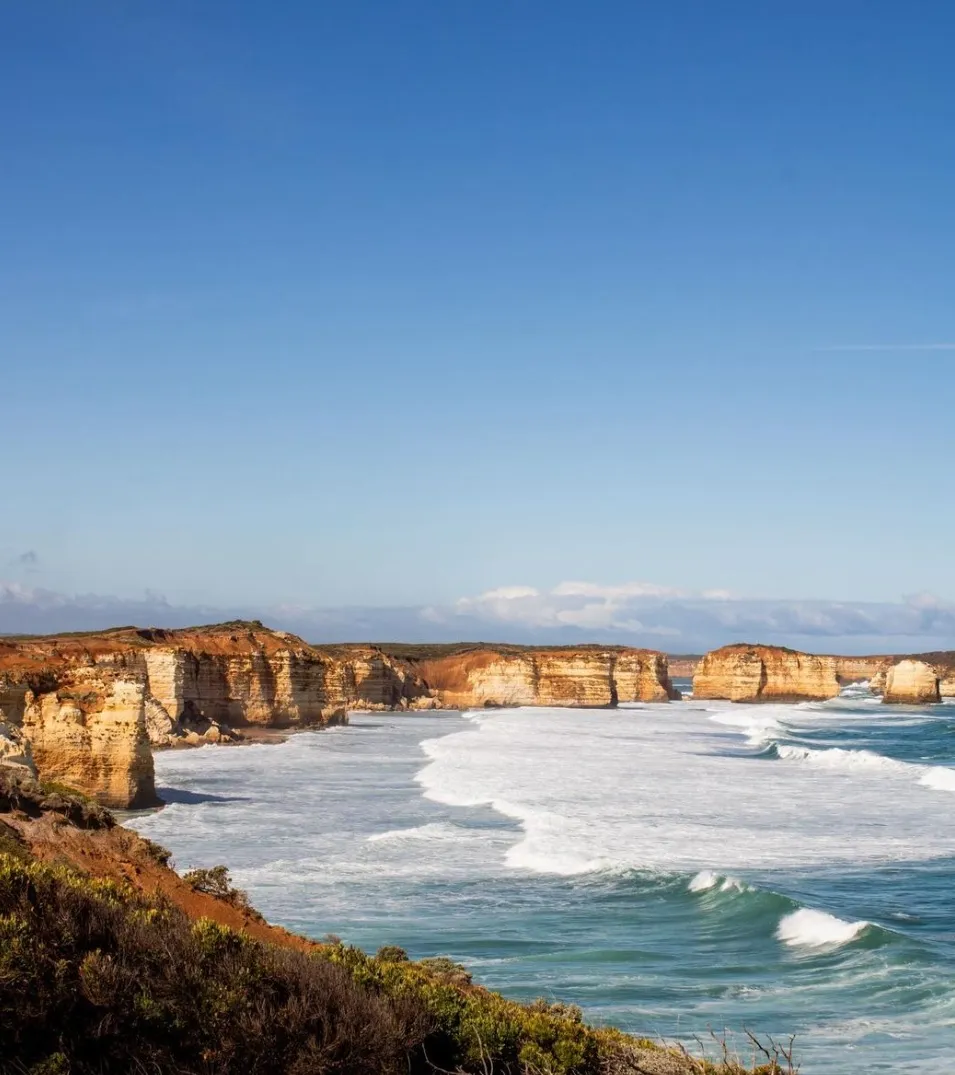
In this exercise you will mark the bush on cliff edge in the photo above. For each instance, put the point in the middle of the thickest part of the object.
(94, 977)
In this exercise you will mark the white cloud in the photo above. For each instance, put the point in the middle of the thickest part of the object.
(646, 613)
(636, 613)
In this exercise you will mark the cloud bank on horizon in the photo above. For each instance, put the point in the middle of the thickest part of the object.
(642, 614)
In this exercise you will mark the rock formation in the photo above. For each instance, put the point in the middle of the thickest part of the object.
(745, 673)
(85, 708)
(683, 666)
(942, 663)
(911, 682)
(861, 669)
(470, 677)
(15, 750)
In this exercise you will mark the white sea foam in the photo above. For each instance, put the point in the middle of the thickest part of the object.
(707, 880)
(761, 724)
(815, 929)
(658, 789)
(703, 881)
(844, 759)
(433, 830)
(937, 777)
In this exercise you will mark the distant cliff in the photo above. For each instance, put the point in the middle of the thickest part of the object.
(683, 665)
(745, 673)
(474, 676)
(911, 683)
(754, 673)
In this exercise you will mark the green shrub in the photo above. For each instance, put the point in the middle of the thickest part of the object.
(389, 953)
(215, 881)
(94, 978)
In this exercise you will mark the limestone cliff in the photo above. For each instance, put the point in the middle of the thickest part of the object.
(745, 673)
(76, 726)
(861, 669)
(911, 682)
(683, 666)
(88, 706)
(470, 677)
(942, 663)
(93, 737)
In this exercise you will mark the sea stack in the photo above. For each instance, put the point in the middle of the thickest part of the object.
(752, 673)
(911, 683)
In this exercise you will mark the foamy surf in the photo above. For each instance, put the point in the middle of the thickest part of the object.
(937, 777)
(807, 928)
(599, 791)
(708, 880)
(654, 815)
(434, 830)
(842, 758)
(761, 724)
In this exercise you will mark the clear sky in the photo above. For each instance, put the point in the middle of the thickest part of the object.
(395, 303)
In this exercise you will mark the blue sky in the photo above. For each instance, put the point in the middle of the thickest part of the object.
(394, 304)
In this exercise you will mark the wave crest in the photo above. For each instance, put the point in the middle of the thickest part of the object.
(807, 928)
(707, 880)
(433, 830)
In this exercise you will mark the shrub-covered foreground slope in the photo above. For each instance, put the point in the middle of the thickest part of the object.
(103, 975)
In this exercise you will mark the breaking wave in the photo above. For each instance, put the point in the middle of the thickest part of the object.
(433, 830)
(816, 929)
(707, 880)
(937, 777)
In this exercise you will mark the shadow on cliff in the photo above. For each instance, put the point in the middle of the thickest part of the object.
(180, 795)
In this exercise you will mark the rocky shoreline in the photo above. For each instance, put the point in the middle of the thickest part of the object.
(88, 710)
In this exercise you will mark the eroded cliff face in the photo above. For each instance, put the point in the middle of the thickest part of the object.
(743, 673)
(911, 683)
(683, 666)
(92, 737)
(85, 709)
(581, 676)
(861, 669)
(942, 665)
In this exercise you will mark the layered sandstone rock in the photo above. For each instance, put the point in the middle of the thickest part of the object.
(942, 663)
(93, 738)
(643, 676)
(861, 669)
(912, 683)
(744, 673)
(505, 676)
(683, 666)
(90, 705)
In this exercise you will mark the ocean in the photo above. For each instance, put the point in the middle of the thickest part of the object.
(673, 869)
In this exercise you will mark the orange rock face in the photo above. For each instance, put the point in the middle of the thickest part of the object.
(860, 669)
(743, 673)
(89, 706)
(583, 676)
(911, 683)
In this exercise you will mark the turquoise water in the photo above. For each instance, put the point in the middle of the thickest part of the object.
(669, 868)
